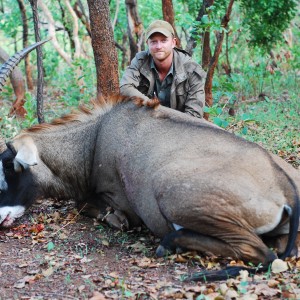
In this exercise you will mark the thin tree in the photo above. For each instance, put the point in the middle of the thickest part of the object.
(67, 27)
(135, 28)
(192, 42)
(214, 60)
(168, 15)
(75, 29)
(51, 32)
(25, 44)
(80, 12)
(103, 44)
(206, 50)
(39, 97)
(114, 21)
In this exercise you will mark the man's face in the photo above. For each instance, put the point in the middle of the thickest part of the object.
(160, 46)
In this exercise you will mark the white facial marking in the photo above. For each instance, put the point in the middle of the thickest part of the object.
(3, 183)
(9, 213)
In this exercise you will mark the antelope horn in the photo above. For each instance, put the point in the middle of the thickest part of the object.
(11, 63)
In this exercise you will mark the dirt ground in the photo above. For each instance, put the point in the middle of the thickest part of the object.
(52, 252)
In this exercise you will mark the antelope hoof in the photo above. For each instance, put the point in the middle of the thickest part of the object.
(117, 220)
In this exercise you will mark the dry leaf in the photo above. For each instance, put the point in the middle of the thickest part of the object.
(36, 228)
(249, 297)
(273, 283)
(105, 242)
(21, 283)
(180, 259)
(138, 247)
(278, 265)
(288, 295)
(62, 236)
(85, 260)
(231, 294)
(48, 272)
(215, 296)
(81, 288)
(144, 262)
(98, 296)
(263, 289)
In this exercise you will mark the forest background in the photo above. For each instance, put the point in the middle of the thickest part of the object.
(250, 50)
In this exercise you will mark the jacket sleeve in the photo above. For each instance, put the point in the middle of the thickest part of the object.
(131, 80)
(195, 100)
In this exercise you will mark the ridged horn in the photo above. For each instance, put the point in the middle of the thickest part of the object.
(12, 62)
(3, 146)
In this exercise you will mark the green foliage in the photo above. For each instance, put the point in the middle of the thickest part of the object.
(10, 21)
(278, 124)
(211, 21)
(77, 88)
(215, 113)
(50, 246)
(267, 19)
(8, 126)
(273, 122)
(30, 106)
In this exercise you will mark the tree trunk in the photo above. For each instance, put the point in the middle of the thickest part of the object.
(39, 96)
(103, 44)
(80, 12)
(191, 44)
(214, 60)
(114, 22)
(135, 28)
(168, 15)
(206, 51)
(226, 66)
(51, 32)
(77, 53)
(17, 81)
(25, 44)
(67, 27)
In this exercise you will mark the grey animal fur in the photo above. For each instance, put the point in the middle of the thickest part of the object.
(161, 167)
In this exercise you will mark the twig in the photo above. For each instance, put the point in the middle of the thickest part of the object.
(56, 232)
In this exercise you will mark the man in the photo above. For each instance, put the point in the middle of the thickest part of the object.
(165, 72)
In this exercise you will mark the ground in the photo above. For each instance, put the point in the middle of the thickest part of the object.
(53, 252)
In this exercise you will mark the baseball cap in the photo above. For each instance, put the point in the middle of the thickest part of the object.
(160, 26)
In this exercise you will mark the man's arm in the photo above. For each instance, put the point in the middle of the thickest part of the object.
(195, 101)
(131, 80)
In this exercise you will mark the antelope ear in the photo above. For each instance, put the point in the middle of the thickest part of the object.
(27, 154)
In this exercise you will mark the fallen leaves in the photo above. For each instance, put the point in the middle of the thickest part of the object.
(48, 272)
(26, 280)
(98, 296)
(84, 262)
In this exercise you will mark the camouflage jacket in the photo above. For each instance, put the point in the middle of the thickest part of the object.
(187, 90)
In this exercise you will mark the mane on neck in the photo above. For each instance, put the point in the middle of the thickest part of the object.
(83, 113)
